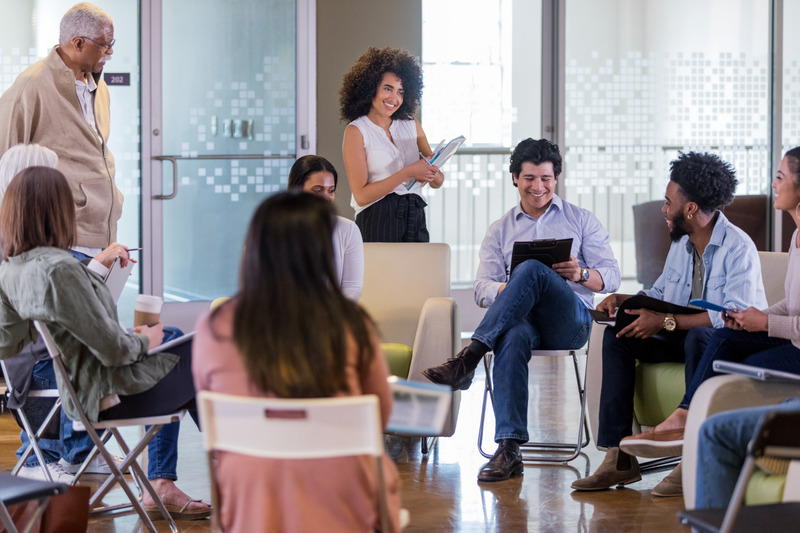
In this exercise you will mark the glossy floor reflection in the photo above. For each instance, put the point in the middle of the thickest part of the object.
(440, 490)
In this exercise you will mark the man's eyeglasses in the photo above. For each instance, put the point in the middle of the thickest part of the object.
(104, 47)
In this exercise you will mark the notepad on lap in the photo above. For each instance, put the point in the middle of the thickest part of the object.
(546, 251)
(419, 408)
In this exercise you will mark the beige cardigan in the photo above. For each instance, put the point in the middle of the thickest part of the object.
(42, 107)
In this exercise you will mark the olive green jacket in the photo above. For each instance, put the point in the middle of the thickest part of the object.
(102, 359)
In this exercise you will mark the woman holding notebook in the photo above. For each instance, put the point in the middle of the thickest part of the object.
(385, 149)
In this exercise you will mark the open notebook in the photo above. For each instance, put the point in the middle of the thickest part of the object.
(419, 408)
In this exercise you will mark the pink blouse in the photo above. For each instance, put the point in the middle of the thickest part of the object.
(256, 494)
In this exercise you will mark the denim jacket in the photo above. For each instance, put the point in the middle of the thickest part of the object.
(732, 271)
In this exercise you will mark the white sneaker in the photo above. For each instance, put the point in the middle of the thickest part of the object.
(96, 466)
(56, 471)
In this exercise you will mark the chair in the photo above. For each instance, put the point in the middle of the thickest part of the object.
(661, 386)
(407, 293)
(723, 393)
(111, 428)
(290, 429)
(550, 452)
(33, 436)
(777, 436)
(14, 490)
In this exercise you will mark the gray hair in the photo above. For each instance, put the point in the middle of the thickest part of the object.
(83, 20)
(19, 157)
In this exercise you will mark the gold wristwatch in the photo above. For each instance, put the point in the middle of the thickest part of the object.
(669, 322)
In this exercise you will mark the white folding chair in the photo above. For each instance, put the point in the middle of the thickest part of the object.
(111, 428)
(14, 490)
(291, 429)
(33, 436)
(548, 452)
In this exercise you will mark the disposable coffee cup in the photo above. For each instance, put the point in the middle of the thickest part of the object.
(148, 310)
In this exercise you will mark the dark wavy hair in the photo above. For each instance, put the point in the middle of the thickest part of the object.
(307, 165)
(361, 83)
(291, 322)
(705, 179)
(536, 151)
(794, 164)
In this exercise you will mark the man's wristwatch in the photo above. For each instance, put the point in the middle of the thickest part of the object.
(669, 322)
(584, 275)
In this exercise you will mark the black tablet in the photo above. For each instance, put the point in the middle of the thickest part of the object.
(547, 251)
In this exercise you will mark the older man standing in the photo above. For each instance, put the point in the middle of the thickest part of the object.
(62, 102)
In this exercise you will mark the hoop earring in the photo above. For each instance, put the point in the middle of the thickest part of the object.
(796, 210)
(689, 216)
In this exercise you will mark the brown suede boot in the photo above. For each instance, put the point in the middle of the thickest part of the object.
(670, 486)
(616, 469)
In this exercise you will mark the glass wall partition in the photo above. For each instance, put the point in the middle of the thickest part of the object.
(482, 69)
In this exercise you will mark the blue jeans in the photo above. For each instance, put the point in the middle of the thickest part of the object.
(536, 311)
(752, 348)
(73, 446)
(722, 449)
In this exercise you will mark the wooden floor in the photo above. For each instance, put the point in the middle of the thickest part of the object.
(440, 490)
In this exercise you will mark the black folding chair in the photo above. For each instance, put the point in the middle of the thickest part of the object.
(14, 490)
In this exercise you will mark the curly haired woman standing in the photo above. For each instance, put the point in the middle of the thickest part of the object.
(382, 146)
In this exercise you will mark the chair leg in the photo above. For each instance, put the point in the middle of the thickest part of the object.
(549, 452)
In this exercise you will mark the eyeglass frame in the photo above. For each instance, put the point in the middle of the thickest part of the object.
(104, 47)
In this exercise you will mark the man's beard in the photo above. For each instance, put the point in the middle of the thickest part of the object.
(678, 228)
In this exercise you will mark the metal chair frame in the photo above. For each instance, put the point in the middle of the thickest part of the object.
(549, 452)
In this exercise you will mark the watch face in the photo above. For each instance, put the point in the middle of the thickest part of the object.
(585, 274)
(670, 324)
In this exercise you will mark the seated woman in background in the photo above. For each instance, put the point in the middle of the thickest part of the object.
(382, 146)
(291, 333)
(315, 174)
(768, 338)
(110, 369)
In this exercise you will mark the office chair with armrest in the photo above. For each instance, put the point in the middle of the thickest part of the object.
(407, 294)
(111, 428)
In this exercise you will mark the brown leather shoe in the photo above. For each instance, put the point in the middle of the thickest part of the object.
(671, 486)
(506, 462)
(609, 475)
(456, 372)
(667, 443)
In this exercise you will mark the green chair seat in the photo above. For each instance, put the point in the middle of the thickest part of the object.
(659, 389)
(399, 358)
(764, 488)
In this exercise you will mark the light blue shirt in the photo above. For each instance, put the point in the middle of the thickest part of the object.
(733, 272)
(561, 220)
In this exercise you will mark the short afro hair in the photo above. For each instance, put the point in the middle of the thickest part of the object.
(361, 83)
(536, 151)
(705, 179)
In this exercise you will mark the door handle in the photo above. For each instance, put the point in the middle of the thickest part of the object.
(171, 159)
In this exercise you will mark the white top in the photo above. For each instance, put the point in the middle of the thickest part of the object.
(384, 157)
(784, 316)
(348, 252)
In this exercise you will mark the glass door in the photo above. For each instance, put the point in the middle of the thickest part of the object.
(221, 136)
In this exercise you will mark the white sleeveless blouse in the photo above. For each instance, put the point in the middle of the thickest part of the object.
(384, 158)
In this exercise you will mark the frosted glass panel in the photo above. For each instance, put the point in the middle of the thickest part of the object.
(791, 75)
(643, 80)
(229, 85)
(28, 31)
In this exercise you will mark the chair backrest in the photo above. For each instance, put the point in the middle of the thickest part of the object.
(773, 273)
(291, 428)
(398, 279)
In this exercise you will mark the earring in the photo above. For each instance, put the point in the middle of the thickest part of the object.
(689, 216)
(796, 210)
